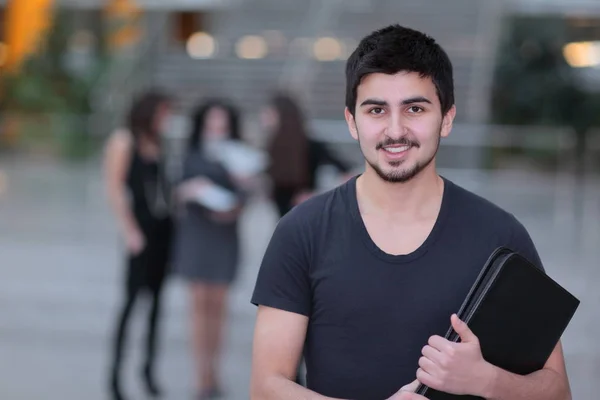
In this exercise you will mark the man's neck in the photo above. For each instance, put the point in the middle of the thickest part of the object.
(419, 197)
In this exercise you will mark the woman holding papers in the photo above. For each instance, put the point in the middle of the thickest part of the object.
(137, 192)
(207, 244)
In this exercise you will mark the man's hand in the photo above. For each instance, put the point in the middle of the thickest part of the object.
(457, 368)
(406, 395)
(407, 392)
(411, 387)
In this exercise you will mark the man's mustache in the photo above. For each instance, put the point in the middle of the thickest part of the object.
(399, 142)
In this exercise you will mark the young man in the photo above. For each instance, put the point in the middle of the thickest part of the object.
(366, 278)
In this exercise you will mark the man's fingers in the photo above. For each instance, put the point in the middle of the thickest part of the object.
(429, 366)
(463, 330)
(411, 387)
(410, 396)
(440, 344)
(427, 379)
(432, 354)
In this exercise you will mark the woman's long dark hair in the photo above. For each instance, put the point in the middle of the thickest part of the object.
(288, 149)
(199, 120)
(142, 115)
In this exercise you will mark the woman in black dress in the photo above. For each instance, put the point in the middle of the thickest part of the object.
(295, 157)
(138, 196)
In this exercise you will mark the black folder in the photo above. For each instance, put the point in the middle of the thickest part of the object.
(518, 313)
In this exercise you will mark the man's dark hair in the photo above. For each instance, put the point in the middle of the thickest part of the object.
(394, 49)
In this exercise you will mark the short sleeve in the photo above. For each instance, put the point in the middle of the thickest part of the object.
(283, 279)
(522, 243)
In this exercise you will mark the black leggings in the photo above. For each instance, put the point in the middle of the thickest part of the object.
(146, 273)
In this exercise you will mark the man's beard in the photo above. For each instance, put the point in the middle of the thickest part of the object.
(399, 175)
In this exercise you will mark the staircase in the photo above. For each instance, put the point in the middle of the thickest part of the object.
(462, 27)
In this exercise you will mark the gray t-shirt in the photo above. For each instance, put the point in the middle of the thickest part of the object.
(370, 313)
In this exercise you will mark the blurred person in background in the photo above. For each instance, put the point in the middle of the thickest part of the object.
(294, 156)
(206, 252)
(137, 191)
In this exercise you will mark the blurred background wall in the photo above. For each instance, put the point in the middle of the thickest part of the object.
(517, 62)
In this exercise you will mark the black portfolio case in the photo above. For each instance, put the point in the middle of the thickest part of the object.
(518, 313)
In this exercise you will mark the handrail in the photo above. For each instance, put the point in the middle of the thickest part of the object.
(295, 73)
(121, 79)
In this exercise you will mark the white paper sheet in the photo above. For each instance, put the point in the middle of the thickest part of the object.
(216, 198)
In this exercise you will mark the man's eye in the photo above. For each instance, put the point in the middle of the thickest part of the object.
(376, 110)
(415, 109)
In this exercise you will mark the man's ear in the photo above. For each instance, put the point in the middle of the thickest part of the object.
(448, 121)
(351, 123)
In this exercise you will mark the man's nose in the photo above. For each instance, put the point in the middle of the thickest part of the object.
(396, 126)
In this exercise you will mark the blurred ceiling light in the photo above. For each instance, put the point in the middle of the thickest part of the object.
(251, 47)
(201, 45)
(327, 49)
(3, 53)
(582, 54)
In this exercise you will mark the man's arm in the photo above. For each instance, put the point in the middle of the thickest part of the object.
(550, 383)
(278, 339)
(283, 296)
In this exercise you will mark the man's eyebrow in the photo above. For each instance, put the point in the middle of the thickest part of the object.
(416, 99)
(374, 102)
(382, 103)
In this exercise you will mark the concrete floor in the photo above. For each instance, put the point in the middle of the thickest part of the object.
(60, 269)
